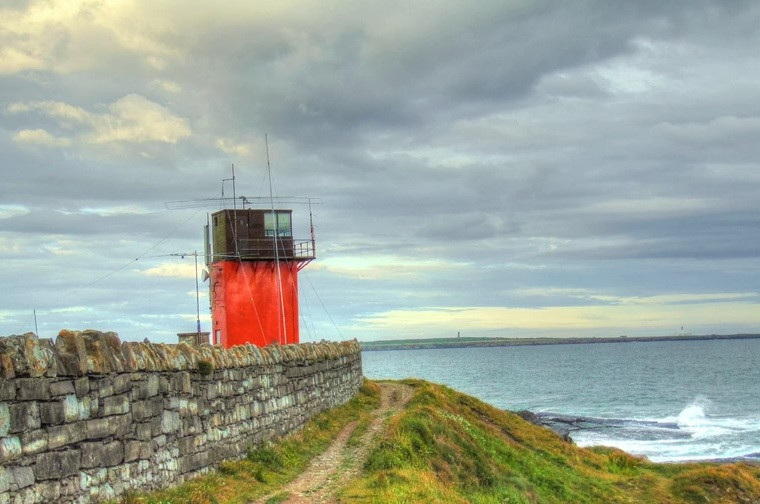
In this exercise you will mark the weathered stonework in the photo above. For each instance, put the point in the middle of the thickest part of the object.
(86, 418)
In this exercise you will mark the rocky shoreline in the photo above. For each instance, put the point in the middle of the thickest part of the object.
(563, 426)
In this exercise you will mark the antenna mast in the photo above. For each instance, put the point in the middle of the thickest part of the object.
(283, 336)
(234, 194)
(197, 297)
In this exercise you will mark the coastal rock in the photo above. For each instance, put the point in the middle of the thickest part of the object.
(531, 417)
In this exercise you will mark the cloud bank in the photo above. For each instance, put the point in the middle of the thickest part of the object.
(501, 168)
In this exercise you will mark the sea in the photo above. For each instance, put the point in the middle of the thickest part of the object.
(670, 401)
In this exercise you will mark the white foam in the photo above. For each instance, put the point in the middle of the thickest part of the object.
(692, 415)
(695, 433)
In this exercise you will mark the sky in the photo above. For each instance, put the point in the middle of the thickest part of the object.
(492, 168)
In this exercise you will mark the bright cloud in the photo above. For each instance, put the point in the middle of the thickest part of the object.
(383, 267)
(136, 119)
(79, 35)
(40, 137)
(634, 317)
(131, 119)
(176, 270)
(540, 164)
(234, 148)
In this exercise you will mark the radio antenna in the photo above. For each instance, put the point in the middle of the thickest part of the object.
(283, 336)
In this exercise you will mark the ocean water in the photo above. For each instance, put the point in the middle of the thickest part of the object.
(669, 401)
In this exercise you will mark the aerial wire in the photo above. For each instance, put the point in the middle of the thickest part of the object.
(283, 334)
(159, 242)
(120, 268)
(323, 305)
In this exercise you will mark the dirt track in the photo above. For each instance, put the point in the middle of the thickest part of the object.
(339, 463)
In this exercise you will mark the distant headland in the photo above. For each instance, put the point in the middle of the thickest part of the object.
(413, 344)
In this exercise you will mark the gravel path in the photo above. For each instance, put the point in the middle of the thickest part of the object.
(339, 463)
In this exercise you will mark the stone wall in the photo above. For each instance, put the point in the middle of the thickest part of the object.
(85, 418)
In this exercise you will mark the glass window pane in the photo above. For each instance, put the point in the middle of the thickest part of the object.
(268, 224)
(283, 224)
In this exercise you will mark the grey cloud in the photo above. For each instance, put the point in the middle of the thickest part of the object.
(503, 137)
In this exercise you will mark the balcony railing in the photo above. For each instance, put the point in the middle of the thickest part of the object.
(264, 249)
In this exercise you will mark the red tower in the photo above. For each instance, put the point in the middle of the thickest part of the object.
(254, 277)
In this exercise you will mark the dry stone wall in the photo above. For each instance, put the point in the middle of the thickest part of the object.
(87, 417)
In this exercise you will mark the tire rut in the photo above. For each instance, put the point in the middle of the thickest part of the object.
(339, 463)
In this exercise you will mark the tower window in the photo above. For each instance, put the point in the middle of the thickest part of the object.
(278, 224)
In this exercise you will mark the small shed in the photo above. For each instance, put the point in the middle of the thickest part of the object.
(193, 338)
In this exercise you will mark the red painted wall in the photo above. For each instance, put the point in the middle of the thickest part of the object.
(245, 303)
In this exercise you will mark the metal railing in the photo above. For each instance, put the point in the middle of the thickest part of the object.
(263, 248)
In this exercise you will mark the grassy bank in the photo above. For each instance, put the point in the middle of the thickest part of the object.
(450, 447)
(445, 446)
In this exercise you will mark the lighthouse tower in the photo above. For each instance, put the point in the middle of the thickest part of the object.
(254, 265)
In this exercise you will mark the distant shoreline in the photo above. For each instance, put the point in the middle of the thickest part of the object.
(422, 344)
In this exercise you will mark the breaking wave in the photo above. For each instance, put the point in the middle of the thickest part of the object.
(695, 433)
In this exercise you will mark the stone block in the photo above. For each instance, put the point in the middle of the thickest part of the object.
(86, 407)
(72, 352)
(132, 451)
(63, 387)
(106, 492)
(10, 449)
(122, 383)
(170, 422)
(21, 477)
(105, 387)
(193, 462)
(4, 480)
(155, 425)
(143, 431)
(24, 416)
(159, 441)
(50, 491)
(113, 453)
(5, 419)
(146, 409)
(146, 451)
(148, 387)
(163, 385)
(153, 385)
(33, 389)
(121, 424)
(6, 367)
(71, 408)
(98, 428)
(82, 386)
(103, 352)
(7, 390)
(188, 444)
(57, 465)
(33, 442)
(25, 355)
(181, 382)
(62, 435)
(92, 455)
(67, 365)
(52, 413)
(115, 405)
(190, 426)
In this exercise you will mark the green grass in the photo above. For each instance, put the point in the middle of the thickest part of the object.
(450, 447)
